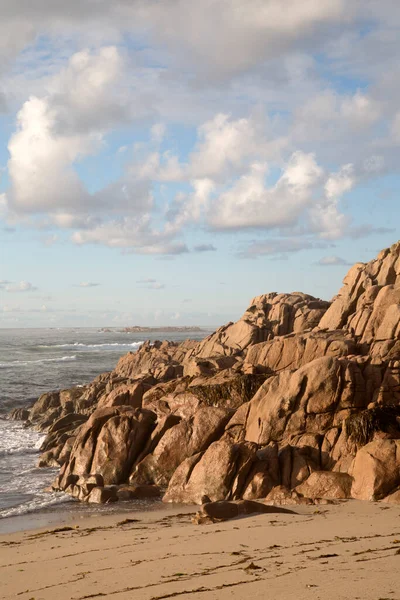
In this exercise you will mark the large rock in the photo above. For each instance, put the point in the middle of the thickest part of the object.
(309, 400)
(220, 473)
(376, 470)
(368, 303)
(268, 316)
(294, 351)
(162, 360)
(326, 484)
(185, 439)
(108, 444)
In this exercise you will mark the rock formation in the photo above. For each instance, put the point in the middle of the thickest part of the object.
(297, 402)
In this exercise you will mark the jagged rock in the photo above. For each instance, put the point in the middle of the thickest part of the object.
(264, 474)
(160, 359)
(138, 492)
(294, 351)
(214, 512)
(125, 395)
(268, 316)
(220, 473)
(393, 498)
(188, 437)
(368, 303)
(102, 495)
(19, 414)
(61, 430)
(326, 484)
(227, 389)
(376, 470)
(109, 442)
(283, 496)
(316, 397)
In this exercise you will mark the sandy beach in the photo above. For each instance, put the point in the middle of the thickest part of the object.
(350, 550)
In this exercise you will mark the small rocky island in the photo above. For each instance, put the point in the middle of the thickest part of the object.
(297, 402)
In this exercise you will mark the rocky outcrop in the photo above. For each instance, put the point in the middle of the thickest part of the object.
(268, 316)
(368, 304)
(181, 441)
(297, 402)
(220, 473)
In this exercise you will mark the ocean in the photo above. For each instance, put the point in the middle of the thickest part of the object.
(34, 361)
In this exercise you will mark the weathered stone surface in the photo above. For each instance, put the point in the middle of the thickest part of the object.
(294, 351)
(368, 303)
(102, 495)
(393, 498)
(283, 496)
(218, 474)
(264, 474)
(326, 484)
(125, 395)
(189, 437)
(376, 470)
(227, 389)
(268, 316)
(109, 442)
(163, 360)
(138, 492)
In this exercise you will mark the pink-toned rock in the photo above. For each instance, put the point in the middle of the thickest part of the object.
(326, 484)
(376, 470)
(189, 437)
(218, 474)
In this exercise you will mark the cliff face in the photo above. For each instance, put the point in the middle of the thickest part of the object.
(298, 400)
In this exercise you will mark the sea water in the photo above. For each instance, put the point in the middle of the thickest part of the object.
(34, 361)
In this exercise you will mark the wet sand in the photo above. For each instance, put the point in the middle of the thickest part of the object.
(350, 550)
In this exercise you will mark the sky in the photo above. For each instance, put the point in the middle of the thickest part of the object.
(162, 163)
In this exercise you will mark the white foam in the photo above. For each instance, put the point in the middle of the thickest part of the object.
(26, 363)
(15, 439)
(40, 502)
(113, 345)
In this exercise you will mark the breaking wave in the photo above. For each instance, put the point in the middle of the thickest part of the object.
(26, 363)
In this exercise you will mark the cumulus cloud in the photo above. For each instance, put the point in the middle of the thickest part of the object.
(278, 73)
(22, 286)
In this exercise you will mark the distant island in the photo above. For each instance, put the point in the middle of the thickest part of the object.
(142, 329)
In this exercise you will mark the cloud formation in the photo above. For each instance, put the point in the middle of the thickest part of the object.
(22, 286)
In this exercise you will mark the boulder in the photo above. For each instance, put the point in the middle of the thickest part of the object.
(108, 444)
(138, 492)
(179, 442)
(102, 495)
(376, 470)
(220, 473)
(125, 395)
(294, 351)
(268, 316)
(326, 484)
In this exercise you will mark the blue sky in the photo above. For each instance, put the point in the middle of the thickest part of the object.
(163, 163)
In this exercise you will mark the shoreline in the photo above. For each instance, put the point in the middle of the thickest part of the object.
(161, 555)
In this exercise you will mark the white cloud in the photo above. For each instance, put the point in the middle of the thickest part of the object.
(332, 261)
(22, 286)
(250, 203)
(341, 182)
(87, 284)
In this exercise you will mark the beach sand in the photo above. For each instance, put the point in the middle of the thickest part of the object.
(350, 550)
